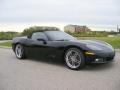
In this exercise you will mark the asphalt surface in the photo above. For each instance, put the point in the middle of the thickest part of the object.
(33, 74)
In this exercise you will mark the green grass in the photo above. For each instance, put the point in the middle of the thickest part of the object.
(6, 44)
(114, 41)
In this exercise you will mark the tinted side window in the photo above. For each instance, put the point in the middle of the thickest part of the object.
(39, 35)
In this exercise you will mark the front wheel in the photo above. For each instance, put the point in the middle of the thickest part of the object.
(19, 51)
(74, 58)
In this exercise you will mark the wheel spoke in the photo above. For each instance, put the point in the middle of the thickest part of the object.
(75, 54)
(73, 63)
(77, 61)
(70, 60)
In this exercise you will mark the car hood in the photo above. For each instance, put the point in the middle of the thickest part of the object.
(97, 43)
(93, 42)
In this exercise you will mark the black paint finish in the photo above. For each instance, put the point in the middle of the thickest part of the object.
(56, 48)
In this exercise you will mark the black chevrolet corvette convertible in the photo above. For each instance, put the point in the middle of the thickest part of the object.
(58, 44)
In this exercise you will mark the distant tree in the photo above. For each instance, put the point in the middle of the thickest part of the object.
(30, 30)
(112, 32)
(8, 35)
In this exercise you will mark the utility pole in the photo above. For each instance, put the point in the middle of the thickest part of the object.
(117, 28)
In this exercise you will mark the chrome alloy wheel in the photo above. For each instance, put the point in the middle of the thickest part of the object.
(73, 59)
(19, 51)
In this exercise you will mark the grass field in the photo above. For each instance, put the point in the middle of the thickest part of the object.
(114, 41)
(6, 44)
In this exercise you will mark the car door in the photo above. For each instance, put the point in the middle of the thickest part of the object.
(55, 49)
(36, 46)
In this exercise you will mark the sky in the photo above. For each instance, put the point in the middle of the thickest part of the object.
(17, 14)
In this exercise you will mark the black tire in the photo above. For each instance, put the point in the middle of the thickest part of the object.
(19, 51)
(78, 60)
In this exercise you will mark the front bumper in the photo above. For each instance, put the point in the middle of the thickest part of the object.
(102, 60)
(103, 57)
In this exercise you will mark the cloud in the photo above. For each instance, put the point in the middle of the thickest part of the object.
(78, 11)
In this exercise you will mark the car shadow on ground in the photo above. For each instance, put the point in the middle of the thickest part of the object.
(48, 61)
(87, 67)
(98, 67)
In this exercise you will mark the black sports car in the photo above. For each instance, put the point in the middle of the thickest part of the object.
(58, 44)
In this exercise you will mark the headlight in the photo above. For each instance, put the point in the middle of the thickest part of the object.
(106, 44)
(109, 45)
(93, 47)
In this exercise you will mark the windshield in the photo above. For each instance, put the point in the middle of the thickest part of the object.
(59, 36)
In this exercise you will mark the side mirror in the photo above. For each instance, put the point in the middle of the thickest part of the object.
(44, 41)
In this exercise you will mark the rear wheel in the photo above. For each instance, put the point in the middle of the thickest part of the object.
(19, 51)
(74, 58)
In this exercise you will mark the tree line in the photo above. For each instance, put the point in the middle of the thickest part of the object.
(89, 34)
(9, 35)
(28, 31)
